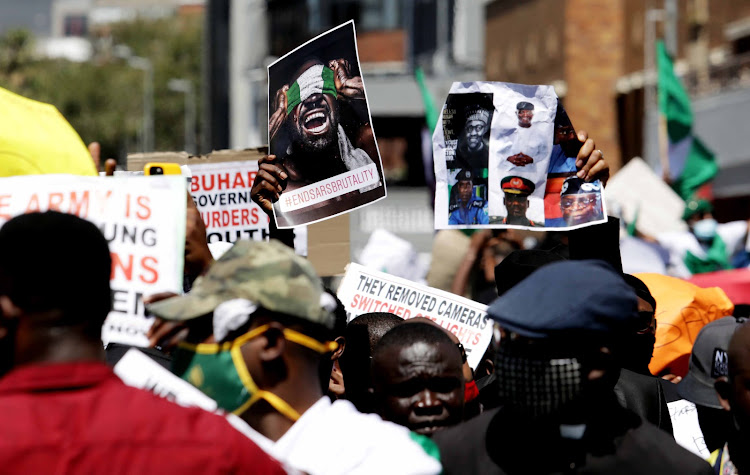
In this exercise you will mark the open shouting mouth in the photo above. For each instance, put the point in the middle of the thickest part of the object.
(316, 121)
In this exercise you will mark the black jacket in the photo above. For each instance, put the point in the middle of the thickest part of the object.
(645, 396)
(616, 441)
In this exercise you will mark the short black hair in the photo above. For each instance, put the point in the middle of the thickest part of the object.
(362, 334)
(375, 324)
(405, 335)
(339, 323)
(56, 261)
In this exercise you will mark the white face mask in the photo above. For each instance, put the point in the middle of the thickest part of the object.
(705, 229)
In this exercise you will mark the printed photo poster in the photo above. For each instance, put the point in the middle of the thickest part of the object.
(364, 290)
(142, 218)
(320, 127)
(505, 158)
(221, 192)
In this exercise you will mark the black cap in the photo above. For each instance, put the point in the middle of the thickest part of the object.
(575, 186)
(708, 361)
(568, 297)
(525, 106)
(464, 175)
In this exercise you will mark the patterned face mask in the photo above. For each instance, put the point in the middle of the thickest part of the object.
(219, 371)
(537, 386)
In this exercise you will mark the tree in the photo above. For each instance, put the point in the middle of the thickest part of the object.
(103, 98)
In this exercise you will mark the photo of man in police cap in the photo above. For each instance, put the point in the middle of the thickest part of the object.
(516, 192)
(581, 201)
(319, 125)
(466, 207)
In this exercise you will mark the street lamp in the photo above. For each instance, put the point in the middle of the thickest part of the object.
(186, 87)
(145, 65)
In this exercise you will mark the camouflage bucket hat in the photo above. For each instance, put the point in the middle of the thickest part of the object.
(267, 273)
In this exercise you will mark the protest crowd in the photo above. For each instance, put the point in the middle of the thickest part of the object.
(529, 351)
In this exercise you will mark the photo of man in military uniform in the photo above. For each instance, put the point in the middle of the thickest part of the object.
(516, 191)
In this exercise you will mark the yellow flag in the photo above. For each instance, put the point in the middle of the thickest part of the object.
(682, 309)
(36, 139)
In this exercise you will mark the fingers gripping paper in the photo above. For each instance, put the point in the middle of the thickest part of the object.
(505, 157)
(364, 290)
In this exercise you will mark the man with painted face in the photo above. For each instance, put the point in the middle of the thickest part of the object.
(64, 410)
(309, 110)
(556, 366)
(580, 201)
(706, 246)
(516, 192)
(473, 149)
(271, 324)
(418, 378)
(734, 395)
(467, 208)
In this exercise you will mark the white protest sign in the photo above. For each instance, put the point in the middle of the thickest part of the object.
(365, 290)
(221, 192)
(640, 194)
(686, 429)
(142, 218)
(139, 371)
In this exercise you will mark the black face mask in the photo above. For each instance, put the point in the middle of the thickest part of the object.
(637, 353)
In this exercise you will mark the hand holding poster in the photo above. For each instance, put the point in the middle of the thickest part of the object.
(221, 192)
(364, 290)
(505, 156)
(142, 218)
(320, 128)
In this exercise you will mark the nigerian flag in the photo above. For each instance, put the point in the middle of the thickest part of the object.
(432, 114)
(691, 163)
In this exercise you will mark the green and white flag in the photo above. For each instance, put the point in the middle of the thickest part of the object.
(691, 163)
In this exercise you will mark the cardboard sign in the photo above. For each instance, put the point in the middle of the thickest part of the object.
(682, 309)
(139, 371)
(143, 218)
(365, 290)
(327, 242)
(320, 128)
(686, 429)
(505, 158)
(221, 192)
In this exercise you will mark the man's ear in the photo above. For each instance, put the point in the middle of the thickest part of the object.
(340, 350)
(723, 389)
(274, 343)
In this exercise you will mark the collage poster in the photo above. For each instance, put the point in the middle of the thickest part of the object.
(505, 157)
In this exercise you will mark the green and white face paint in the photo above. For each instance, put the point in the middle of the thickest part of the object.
(317, 79)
